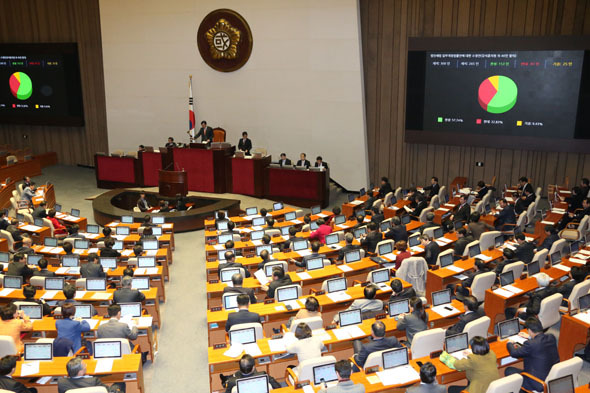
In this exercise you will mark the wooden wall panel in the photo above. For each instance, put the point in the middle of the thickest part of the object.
(385, 28)
(38, 21)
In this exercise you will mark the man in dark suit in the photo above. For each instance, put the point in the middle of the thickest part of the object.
(421, 204)
(230, 261)
(576, 215)
(284, 161)
(170, 143)
(371, 239)
(93, 268)
(348, 239)
(26, 248)
(463, 239)
(14, 231)
(78, 379)
(429, 222)
(377, 342)
(431, 249)
(247, 370)
(279, 279)
(142, 203)
(525, 251)
(397, 231)
(7, 366)
(377, 217)
(237, 281)
(433, 188)
(107, 250)
(114, 328)
(39, 211)
(462, 289)
(319, 163)
(18, 267)
(245, 144)
(471, 314)
(69, 292)
(205, 132)
(522, 204)
(551, 237)
(4, 220)
(539, 354)
(578, 275)
(428, 383)
(505, 216)
(43, 272)
(508, 256)
(126, 294)
(242, 315)
(303, 161)
(385, 187)
(524, 186)
(463, 211)
(482, 189)
(398, 291)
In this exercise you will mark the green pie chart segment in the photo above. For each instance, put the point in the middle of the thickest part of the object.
(21, 86)
(497, 94)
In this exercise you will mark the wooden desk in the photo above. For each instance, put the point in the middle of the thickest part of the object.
(70, 220)
(551, 217)
(349, 209)
(115, 172)
(576, 337)
(38, 234)
(297, 187)
(397, 209)
(248, 175)
(21, 169)
(6, 194)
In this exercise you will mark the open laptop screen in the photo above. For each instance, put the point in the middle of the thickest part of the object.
(257, 384)
(395, 358)
(38, 351)
(398, 307)
(508, 328)
(457, 342)
(350, 317)
(325, 373)
(441, 297)
(107, 349)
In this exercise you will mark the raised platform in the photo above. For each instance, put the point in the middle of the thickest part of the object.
(112, 205)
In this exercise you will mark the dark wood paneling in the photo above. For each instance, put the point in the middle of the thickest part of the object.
(33, 21)
(385, 28)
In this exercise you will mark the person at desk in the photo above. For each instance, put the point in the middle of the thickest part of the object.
(576, 215)
(471, 314)
(433, 188)
(315, 249)
(245, 144)
(421, 204)
(26, 248)
(180, 204)
(247, 369)
(39, 211)
(237, 281)
(147, 235)
(348, 240)
(398, 231)
(73, 232)
(345, 385)
(463, 239)
(43, 271)
(242, 315)
(164, 206)
(578, 274)
(4, 220)
(508, 257)
(377, 342)
(319, 163)
(279, 279)
(524, 186)
(303, 161)
(398, 291)
(533, 306)
(13, 323)
(18, 267)
(29, 292)
(71, 328)
(114, 328)
(525, 251)
(107, 250)
(26, 182)
(480, 366)
(205, 132)
(320, 233)
(230, 262)
(93, 268)
(463, 211)
(15, 232)
(29, 194)
(431, 249)
(506, 218)
(367, 305)
(77, 379)
(7, 366)
(428, 383)
(429, 222)
(539, 354)
(265, 256)
(482, 189)
(413, 322)
(371, 239)
(170, 144)
(550, 238)
(307, 346)
(292, 237)
(69, 293)
(462, 289)
(311, 310)
(106, 234)
(126, 294)
(141, 148)
(376, 216)
(522, 204)
(284, 161)
(402, 247)
(477, 227)
(58, 228)
(142, 203)
(385, 187)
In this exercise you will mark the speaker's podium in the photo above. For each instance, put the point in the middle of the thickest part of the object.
(172, 183)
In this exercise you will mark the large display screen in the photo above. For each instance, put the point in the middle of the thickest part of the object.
(40, 84)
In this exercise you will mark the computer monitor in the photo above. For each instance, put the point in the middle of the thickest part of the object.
(140, 283)
(230, 302)
(131, 309)
(83, 311)
(33, 311)
(414, 240)
(4, 257)
(57, 207)
(290, 216)
(488, 208)
(350, 317)
(222, 225)
(74, 261)
(574, 247)
(81, 244)
(258, 221)
(446, 260)
(339, 219)
(313, 225)
(12, 282)
(564, 384)
(359, 231)
(277, 206)
(75, 212)
(299, 245)
(263, 247)
(256, 235)
(227, 273)
(285, 230)
(395, 358)
(555, 258)
(54, 283)
(221, 239)
(385, 248)
(242, 336)
(379, 276)
(332, 238)
(122, 231)
(352, 256)
(257, 384)
(566, 251)
(362, 192)
(314, 263)
(441, 297)
(438, 232)
(157, 231)
(108, 262)
(499, 241)
(91, 228)
(150, 244)
(397, 307)
(250, 211)
(456, 342)
(336, 284)
(39, 222)
(268, 268)
(284, 294)
(50, 242)
(20, 217)
(508, 328)
(33, 259)
(474, 250)
(118, 246)
(406, 219)
(385, 226)
(158, 220)
(324, 373)
(533, 268)
(351, 197)
(38, 351)
(316, 210)
(127, 219)
(106, 349)
(146, 261)
(584, 302)
(96, 284)
(221, 253)
(507, 278)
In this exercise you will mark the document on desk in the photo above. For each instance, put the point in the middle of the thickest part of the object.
(509, 199)
(416, 249)
(440, 242)
(322, 334)
(294, 304)
(31, 228)
(49, 294)
(234, 350)
(308, 389)
(304, 253)
(6, 291)
(219, 247)
(92, 322)
(577, 260)
(373, 379)
(583, 316)
(79, 294)
(277, 345)
(444, 310)
(256, 243)
(43, 380)
(101, 295)
(502, 292)
(126, 253)
(151, 253)
(252, 349)
(398, 375)
(461, 277)
(29, 368)
(512, 289)
(563, 267)
(149, 271)
(445, 240)
(507, 360)
(322, 215)
(257, 228)
(62, 270)
(261, 276)
(390, 256)
(103, 366)
(483, 257)
(456, 269)
(139, 271)
(345, 268)
(341, 334)
(93, 250)
(339, 296)
(442, 209)
(304, 275)
(145, 321)
(46, 250)
(449, 205)
(355, 331)
(585, 252)
(356, 202)
(547, 222)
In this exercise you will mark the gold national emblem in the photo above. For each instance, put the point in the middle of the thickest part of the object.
(223, 40)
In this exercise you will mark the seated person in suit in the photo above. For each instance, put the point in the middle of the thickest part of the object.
(26, 246)
(106, 234)
(58, 228)
(585, 187)
(69, 248)
(508, 257)
(29, 292)
(431, 249)
(43, 271)
(148, 234)
(71, 328)
(237, 282)
(287, 243)
(93, 268)
(463, 239)
(164, 206)
(343, 371)
(376, 216)
(576, 215)
(462, 289)
(413, 322)
(463, 211)
(4, 220)
(482, 189)
(319, 163)
(78, 379)
(230, 261)
(205, 132)
(578, 274)
(108, 251)
(284, 161)
(307, 346)
(320, 233)
(245, 144)
(433, 188)
(265, 256)
(303, 161)
(315, 248)
(270, 223)
(539, 354)
(385, 187)
(170, 143)
(377, 342)
(180, 204)
(69, 292)
(505, 216)
(367, 304)
(247, 369)
(137, 250)
(142, 203)
(114, 328)
(551, 237)
(533, 306)
(126, 294)
(230, 229)
(471, 314)
(73, 232)
(62, 347)
(311, 310)
(39, 211)
(524, 186)
(370, 240)
(480, 367)
(147, 222)
(279, 279)
(397, 231)
(522, 204)
(429, 222)
(17, 236)
(348, 239)
(477, 227)
(421, 204)
(18, 267)
(29, 194)
(242, 315)
(7, 366)
(402, 247)
(398, 291)
(525, 251)
(428, 382)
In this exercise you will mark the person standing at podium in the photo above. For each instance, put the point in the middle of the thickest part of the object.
(245, 144)
(303, 161)
(170, 143)
(205, 132)
(142, 203)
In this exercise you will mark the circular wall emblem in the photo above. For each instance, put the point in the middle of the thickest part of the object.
(224, 40)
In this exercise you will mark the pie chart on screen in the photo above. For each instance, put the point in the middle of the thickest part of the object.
(21, 86)
(497, 94)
